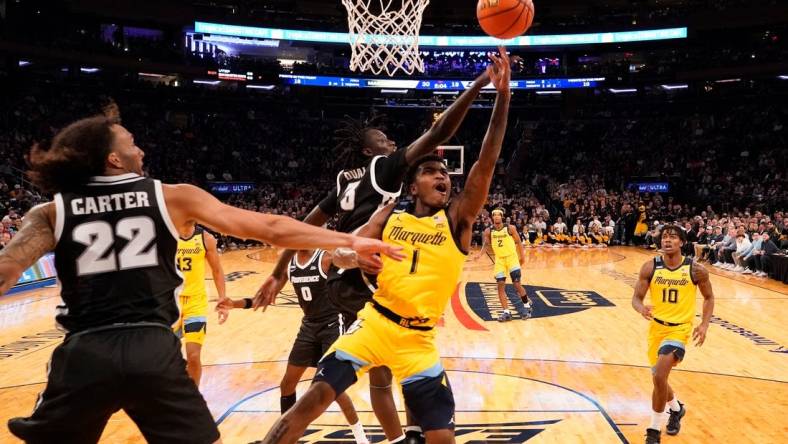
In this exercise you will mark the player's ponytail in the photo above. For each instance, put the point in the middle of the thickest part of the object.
(77, 152)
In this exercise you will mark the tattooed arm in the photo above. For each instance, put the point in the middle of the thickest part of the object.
(34, 239)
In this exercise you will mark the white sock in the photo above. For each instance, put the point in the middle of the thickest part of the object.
(673, 404)
(507, 311)
(358, 433)
(657, 419)
(412, 428)
(399, 439)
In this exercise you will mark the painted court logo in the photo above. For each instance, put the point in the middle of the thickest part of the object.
(508, 432)
(546, 301)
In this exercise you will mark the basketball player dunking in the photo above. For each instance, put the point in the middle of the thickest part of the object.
(358, 194)
(672, 281)
(115, 234)
(196, 247)
(509, 259)
(320, 327)
(396, 328)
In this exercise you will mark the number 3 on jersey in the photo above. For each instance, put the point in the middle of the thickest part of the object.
(100, 256)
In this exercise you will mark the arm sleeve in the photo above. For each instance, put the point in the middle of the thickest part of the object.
(390, 171)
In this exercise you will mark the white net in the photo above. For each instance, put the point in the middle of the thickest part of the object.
(384, 35)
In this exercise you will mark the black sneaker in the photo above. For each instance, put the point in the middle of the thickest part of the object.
(504, 317)
(652, 436)
(674, 422)
(414, 437)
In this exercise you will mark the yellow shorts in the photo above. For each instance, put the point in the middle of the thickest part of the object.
(375, 341)
(505, 266)
(192, 324)
(661, 335)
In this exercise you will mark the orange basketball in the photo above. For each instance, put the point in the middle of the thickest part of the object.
(505, 19)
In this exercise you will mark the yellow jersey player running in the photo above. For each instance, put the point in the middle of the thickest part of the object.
(672, 280)
(195, 247)
(396, 328)
(509, 259)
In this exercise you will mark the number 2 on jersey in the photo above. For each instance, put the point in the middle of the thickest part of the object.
(100, 257)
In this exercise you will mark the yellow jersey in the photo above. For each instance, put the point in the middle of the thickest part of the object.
(190, 260)
(502, 242)
(420, 286)
(673, 292)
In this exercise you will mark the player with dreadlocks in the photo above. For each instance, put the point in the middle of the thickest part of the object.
(371, 180)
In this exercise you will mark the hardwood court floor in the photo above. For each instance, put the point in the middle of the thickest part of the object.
(575, 373)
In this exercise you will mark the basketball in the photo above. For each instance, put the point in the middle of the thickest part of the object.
(505, 19)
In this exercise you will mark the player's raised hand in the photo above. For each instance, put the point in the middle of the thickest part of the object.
(367, 248)
(266, 294)
(500, 71)
(646, 312)
(699, 334)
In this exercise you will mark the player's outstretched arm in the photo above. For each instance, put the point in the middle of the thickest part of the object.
(641, 287)
(446, 125)
(34, 240)
(465, 209)
(273, 284)
(212, 256)
(188, 204)
(348, 259)
(701, 275)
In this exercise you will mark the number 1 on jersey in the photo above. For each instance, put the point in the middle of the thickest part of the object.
(414, 265)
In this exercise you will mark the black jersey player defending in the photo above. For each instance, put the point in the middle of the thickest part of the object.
(374, 181)
(321, 326)
(115, 233)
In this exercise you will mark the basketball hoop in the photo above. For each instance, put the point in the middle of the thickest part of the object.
(385, 38)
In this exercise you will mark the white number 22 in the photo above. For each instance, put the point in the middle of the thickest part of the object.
(139, 231)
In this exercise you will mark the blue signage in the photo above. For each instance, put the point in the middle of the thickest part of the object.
(230, 187)
(446, 41)
(651, 187)
(434, 85)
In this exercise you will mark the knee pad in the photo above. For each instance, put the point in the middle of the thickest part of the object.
(431, 402)
(336, 373)
(516, 275)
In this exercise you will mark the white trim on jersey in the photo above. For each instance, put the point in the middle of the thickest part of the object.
(165, 215)
(114, 180)
(320, 264)
(303, 267)
(60, 216)
(387, 196)
(339, 184)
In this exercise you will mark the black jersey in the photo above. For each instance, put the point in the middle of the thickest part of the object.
(309, 282)
(115, 254)
(358, 194)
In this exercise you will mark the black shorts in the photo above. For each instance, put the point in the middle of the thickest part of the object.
(349, 294)
(137, 369)
(313, 340)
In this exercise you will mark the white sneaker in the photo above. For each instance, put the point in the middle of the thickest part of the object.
(747, 271)
(761, 274)
(738, 269)
(717, 264)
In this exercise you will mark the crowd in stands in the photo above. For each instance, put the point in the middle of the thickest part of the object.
(562, 181)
